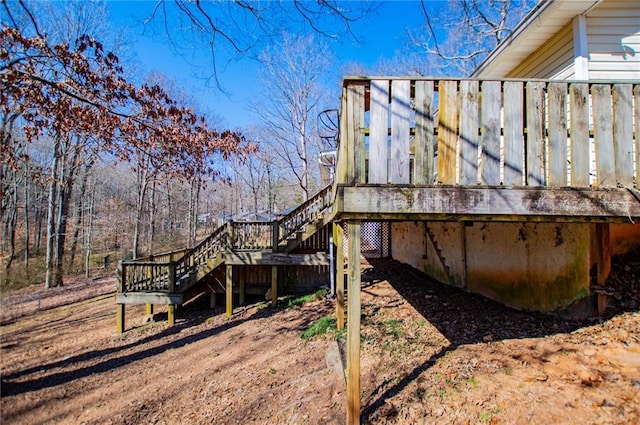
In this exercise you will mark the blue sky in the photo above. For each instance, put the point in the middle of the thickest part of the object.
(379, 36)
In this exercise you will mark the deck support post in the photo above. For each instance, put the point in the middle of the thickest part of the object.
(353, 323)
(229, 291)
(212, 300)
(171, 314)
(274, 286)
(120, 318)
(603, 258)
(149, 309)
(338, 239)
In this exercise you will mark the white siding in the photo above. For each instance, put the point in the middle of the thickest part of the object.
(613, 40)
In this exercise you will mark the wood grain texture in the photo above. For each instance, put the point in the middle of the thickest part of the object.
(513, 133)
(469, 131)
(425, 133)
(353, 323)
(579, 134)
(535, 151)
(378, 132)
(400, 131)
(447, 131)
(623, 133)
(491, 129)
(603, 135)
(557, 101)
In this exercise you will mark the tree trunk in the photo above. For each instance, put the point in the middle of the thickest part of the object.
(51, 213)
(152, 219)
(89, 234)
(78, 212)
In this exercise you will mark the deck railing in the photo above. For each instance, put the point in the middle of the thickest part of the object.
(471, 132)
(168, 271)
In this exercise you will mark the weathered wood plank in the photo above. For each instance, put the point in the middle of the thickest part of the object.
(260, 258)
(535, 151)
(579, 100)
(425, 133)
(488, 203)
(557, 101)
(338, 238)
(491, 126)
(229, 291)
(162, 298)
(513, 133)
(447, 131)
(400, 128)
(378, 132)
(623, 132)
(603, 135)
(353, 323)
(358, 107)
(469, 131)
(274, 286)
(171, 314)
(120, 324)
(345, 158)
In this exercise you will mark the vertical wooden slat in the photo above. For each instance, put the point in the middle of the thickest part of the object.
(623, 132)
(171, 314)
(353, 323)
(469, 136)
(400, 128)
(557, 100)
(344, 159)
(149, 309)
(120, 308)
(636, 95)
(274, 286)
(536, 154)
(338, 238)
(513, 133)
(491, 126)
(356, 120)
(379, 132)
(425, 134)
(603, 135)
(229, 291)
(579, 100)
(447, 131)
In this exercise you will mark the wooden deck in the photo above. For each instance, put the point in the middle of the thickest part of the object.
(488, 150)
(170, 278)
(470, 150)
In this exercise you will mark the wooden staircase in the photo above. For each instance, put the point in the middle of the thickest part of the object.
(170, 278)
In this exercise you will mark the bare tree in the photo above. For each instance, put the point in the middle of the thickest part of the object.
(459, 34)
(230, 29)
(292, 84)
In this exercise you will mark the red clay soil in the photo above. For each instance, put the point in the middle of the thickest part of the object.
(430, 354)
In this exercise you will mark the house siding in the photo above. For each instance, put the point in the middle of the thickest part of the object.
(613, 38)
(553, 59)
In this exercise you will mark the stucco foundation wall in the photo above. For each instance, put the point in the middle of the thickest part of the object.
(531, 266)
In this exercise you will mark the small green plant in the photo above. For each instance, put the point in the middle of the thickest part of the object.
(392, 327)
(318, 295)
(272, 371)
(485, 416)
(319, 328)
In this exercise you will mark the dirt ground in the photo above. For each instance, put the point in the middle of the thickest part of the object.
(430, 354)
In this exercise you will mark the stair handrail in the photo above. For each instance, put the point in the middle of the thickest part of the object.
(304, 213)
